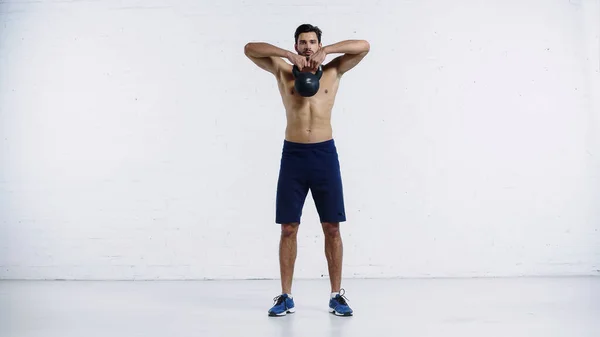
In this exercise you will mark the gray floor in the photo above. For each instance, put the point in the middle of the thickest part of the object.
(410, 307)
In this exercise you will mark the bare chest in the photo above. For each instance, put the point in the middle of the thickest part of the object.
(328, 86)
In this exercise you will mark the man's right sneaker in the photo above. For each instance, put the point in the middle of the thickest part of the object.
(283, 305)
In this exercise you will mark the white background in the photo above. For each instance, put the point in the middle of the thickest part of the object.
(138, 142)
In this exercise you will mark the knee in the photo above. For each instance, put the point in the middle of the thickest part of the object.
(331, 229)
(289, 230)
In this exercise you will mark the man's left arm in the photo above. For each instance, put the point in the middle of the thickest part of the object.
(354, 51)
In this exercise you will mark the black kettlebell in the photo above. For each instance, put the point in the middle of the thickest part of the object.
(307, 83)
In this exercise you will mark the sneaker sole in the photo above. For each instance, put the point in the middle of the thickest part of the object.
(332, 311)
(289, 311)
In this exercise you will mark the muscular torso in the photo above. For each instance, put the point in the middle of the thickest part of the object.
(308, 118)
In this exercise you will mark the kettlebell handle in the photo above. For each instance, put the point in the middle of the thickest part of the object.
(296, 71)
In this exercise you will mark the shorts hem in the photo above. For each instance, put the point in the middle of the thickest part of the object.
(280, 222)
(333, 220)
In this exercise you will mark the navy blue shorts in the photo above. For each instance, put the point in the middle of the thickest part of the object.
(313, 167)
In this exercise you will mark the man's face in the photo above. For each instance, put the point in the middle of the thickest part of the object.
(307, 44)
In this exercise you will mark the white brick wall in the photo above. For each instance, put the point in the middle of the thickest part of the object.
(138, 142)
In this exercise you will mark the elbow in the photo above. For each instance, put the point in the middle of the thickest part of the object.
(366, 46)
(250, 48)
(247, 48)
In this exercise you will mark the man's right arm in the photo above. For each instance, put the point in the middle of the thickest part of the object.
(267, 56)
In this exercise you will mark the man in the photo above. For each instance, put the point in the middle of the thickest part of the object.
(309, 156)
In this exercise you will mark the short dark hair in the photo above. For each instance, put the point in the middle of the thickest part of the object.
(307, 28)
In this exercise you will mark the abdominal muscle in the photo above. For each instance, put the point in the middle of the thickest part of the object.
(308, 126)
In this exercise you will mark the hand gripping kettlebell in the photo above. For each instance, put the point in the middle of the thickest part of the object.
(307, 83)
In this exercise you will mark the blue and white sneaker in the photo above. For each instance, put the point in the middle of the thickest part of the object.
(338, 305)
(283, 305)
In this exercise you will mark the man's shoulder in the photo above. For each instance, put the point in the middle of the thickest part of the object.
(284, 69)
(332, 66)
(282, 64)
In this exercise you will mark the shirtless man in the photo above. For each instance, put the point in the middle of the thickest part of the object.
(309, 157)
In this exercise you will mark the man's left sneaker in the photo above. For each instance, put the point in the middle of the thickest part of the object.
(338, 305)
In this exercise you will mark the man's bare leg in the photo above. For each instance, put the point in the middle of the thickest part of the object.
(334, 254)
(287, 255)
